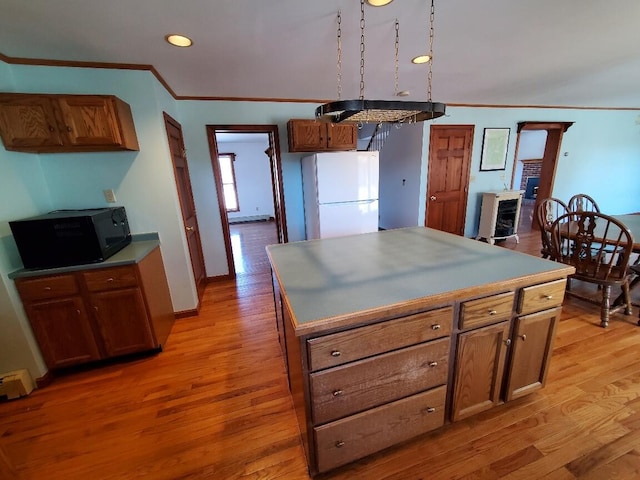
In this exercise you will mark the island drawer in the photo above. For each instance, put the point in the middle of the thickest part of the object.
(354, 437)
(360, 385)
(543, 296)
(487, 310)
(110, 278)
(339, 348)
(42, 288)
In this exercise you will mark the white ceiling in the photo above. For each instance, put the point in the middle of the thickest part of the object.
(495, 52)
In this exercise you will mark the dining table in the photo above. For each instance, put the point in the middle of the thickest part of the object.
(632, 222)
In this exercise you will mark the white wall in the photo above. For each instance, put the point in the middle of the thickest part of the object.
(253, 177)
(400, 161)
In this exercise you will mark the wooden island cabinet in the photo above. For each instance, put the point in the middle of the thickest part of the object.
(86, 313)
(391, 334)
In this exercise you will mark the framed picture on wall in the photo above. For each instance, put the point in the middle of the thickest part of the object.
(494, 149)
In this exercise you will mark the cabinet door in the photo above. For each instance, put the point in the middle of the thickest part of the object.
(479, 369)
(307, 135)
(90, 120)
(342, 136)
(532, 347)
(28, 122)
(122, 319)
(63, 331)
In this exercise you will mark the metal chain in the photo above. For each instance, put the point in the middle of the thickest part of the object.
(430, 75)
(339, 54)
(361, 49)
(397, 48)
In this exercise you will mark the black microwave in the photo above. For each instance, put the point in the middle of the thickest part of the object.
(71, 237)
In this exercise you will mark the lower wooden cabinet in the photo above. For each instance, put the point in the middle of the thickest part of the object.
(88, 315)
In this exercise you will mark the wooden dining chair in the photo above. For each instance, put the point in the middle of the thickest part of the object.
(548, 210)
(582, 202)
(600, 248)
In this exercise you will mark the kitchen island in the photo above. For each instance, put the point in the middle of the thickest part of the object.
(388, 335)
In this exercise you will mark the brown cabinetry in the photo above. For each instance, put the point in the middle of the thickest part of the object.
(317, 136)
(505, 360)
(372, 386)
(90, 315)
(43, 123)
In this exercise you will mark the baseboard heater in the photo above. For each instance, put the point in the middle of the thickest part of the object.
(251, 218)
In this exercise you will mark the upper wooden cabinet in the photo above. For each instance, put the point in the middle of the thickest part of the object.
(43, 123)
(317, 136)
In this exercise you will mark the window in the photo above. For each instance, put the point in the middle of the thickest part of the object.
(229, 181)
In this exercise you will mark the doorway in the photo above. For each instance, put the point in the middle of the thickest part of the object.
(549, 153)
(245, 215)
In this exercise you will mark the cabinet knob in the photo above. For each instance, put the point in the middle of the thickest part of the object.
(189, 229)
(339, 444)
(432, 197)
(430, 409)
(47, 288)
(110, 279)
(51, 129)
(335, 353)
(435, 327)
(433, 364)
(507, 342)
(523, 336)
(69, 128)
(548, 297)
(492, 312)
(337, 393)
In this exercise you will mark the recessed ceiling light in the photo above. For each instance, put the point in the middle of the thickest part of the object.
(420, 59)
(178, 40)
(379, 3)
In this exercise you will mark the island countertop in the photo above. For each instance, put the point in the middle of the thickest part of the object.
(325, 282)
(141, 245)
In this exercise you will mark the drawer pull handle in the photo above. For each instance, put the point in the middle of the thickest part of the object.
(507, 342)
(110, 279)
(335, 353)
(548, 297)
(337, 393)
(339, 444)
(492, 312)
(523, 336)
(433, 364)
(430, 409)
(435, 327)
(47, 289)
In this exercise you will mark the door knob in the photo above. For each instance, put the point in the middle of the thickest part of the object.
(432, 197)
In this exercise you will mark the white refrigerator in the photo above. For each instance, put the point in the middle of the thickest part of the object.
(340, 193)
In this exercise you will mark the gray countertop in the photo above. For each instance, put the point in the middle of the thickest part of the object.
(141, 245)
(332, 278)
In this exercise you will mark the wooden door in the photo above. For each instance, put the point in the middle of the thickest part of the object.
(448, 178)
(479, 370)
(187, 205)
(28, 121)
(531, 352)
(122, 320)
(63, 332)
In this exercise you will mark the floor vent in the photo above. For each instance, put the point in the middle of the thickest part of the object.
(16, 384)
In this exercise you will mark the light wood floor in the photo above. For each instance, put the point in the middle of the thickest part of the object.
(215, 405)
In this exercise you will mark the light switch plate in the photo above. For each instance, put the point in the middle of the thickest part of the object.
(109, 195)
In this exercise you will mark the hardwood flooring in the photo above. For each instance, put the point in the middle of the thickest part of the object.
(215, 405)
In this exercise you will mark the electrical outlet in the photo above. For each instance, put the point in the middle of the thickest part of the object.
(109, 195)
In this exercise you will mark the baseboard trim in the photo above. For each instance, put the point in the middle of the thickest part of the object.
(186, 313)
